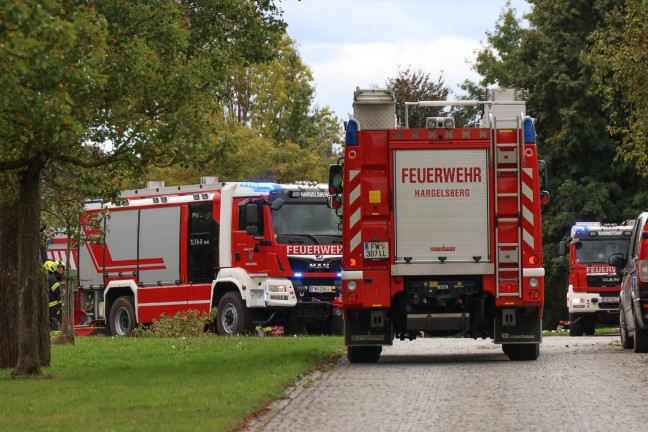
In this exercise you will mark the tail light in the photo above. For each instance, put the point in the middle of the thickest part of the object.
(533, 260)
(642, 264)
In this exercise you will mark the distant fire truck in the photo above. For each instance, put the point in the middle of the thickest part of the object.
(594, 286)
(441, 226)
(261, 253)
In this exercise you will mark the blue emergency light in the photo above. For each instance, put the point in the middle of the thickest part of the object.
(298, 275)
(262, 187)
(529, 131)
(352, 129)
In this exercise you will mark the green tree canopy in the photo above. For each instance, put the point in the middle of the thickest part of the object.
(272, 130)
(122, 83)
(416, 85)
(619, 56)
(586, 183)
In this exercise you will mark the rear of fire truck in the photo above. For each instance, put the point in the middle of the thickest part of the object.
(442, 228)
(594, 285)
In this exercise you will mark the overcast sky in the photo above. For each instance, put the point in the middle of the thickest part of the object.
(358, 43)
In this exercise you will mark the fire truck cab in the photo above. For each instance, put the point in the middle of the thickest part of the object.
(441, 226)
(594, 285)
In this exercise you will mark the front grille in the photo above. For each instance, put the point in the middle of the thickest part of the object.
(603, 281)
(324, 265)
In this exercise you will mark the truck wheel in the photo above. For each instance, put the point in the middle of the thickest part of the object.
(522, 352)
(364, 354)
(640, 338)
(626, 340)
(575, 324)
(589, 324)
(337, 323)
(232, 317)
(122, 316)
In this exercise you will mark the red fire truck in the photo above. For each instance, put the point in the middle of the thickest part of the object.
(594, 286)
(261, 253)
(441, 226)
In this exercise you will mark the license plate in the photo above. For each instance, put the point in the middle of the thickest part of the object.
(321, 289)
(609, 299)
(376, 251)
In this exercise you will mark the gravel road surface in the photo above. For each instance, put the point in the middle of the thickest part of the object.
(577, 384)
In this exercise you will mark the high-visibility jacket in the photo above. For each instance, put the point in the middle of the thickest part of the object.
(54, 290)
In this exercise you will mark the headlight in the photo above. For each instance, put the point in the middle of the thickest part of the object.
(352, 285)
(534, 282)
(277, 288)
(576, 300)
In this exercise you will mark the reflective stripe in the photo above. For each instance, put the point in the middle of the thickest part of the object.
(54, 303)
(55, 286)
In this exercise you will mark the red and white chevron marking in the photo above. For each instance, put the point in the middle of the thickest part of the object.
(528, 221)
(353, 207)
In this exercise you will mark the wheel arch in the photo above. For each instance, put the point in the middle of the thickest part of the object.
(116, 289)
(221, 288)
(229, 280)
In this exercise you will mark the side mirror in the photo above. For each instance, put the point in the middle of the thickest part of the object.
(277, 204)
(336, 179)
(544, 182)
(542, 172)
(252, 214)
(617, 260)
(334, 202)
(562, 249)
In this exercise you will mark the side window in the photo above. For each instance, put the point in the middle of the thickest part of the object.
(636, 239)
(202, 248)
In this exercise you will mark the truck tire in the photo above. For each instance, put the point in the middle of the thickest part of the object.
(122, 316)
(337, 323)
(640, 338)
(364, 354)
(576, 324)
(589, 324)
(522, 352)
(232, 317)
(626, 341)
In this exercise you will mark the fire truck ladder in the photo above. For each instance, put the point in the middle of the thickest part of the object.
(508, 226)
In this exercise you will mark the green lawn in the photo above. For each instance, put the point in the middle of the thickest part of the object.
(607, 331)
(149, 384)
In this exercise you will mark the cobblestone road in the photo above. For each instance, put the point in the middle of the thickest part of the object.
(577, 384)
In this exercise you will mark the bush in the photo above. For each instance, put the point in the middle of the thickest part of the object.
(187, 323)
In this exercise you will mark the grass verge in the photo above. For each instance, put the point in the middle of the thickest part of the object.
(149, 384)
(601, 331)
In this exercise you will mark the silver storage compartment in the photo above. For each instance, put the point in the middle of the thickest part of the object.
(374, 109)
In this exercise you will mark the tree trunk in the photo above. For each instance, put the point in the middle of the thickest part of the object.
(9, 288)
(33, 328)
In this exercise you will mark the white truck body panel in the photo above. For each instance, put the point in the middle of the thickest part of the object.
(441, 205)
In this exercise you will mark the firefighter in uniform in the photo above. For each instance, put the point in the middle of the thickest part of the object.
(54, 292)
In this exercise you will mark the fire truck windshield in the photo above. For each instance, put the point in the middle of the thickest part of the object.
(598, 250)
(306, 222)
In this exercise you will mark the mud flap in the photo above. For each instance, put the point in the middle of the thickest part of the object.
(368, 327)
(517, 326)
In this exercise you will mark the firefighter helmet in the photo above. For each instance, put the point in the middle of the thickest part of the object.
(50, 266)
(59, 263)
